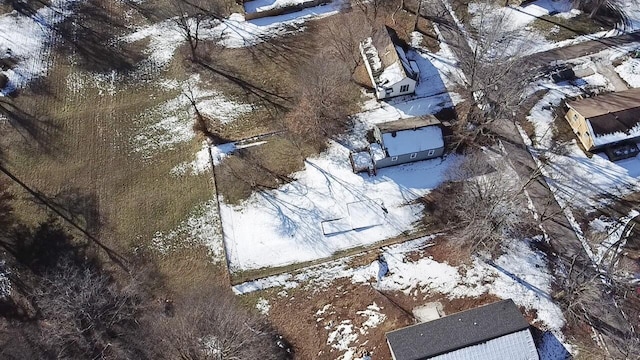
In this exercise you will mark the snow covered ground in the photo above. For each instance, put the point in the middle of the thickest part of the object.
(264, 5)
(234, 32)
(171, 123)
(284, 226)
(27, 40)
(515, 23)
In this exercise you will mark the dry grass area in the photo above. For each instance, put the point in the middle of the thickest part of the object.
(308, 334)
(84, 157)
(258, 168)
(555, 28)
(308, 331)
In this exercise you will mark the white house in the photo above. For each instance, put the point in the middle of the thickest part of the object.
(496, 331)
(390, 72)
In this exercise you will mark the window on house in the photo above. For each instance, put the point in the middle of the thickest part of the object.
(431, 152)
(394, 158)
(404, 88)
(413, 156)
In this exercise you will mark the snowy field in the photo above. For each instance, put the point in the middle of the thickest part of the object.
(234, 32)
(515, 23)
(256, 6)
(27, 40)
(284, 226)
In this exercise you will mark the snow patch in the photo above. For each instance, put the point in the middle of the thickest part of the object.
(5, 283)
(373, 317)
(629, 71)
(342, 336)
(177, 117)
(263, 306)
(28, 40)
(200, 228)
(200, 165)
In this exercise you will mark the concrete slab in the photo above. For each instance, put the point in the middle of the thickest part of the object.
(427, 312)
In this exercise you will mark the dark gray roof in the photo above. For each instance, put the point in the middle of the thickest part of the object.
(456, 331)
(610, 113)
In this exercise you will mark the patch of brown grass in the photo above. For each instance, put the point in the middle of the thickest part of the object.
(261, 167)
(88, 151)
(306, 331)
(453, 306)
(562, 131)
(444, 252)
(555, 28)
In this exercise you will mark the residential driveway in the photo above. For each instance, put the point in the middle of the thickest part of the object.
(582, 49)
(605, 68)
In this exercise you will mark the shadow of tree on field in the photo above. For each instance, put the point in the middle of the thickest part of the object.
(66, 213)
(30, 127)
(91, 34)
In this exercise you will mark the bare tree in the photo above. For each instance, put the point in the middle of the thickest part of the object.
(372, 9)
(346, 31)
(209, 325)
(84, 313)
(482, 203)
(190, 16)
(495, 75)
(324, 99)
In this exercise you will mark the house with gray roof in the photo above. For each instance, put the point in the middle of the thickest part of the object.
(390, 72)
(496, 331)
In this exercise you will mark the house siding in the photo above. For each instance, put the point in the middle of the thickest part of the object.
(406, 158)
(580, 128)
(381, 92)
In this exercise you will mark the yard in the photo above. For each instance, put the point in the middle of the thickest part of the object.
(107, 134)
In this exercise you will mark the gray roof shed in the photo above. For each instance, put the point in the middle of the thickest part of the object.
(464, 330)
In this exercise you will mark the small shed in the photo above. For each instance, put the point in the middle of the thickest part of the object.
(408, 140)
(496, 331)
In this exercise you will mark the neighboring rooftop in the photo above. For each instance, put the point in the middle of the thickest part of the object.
(614, 127)
(411, 135)
(388, 61)
(607, 103)
(466, 329)
(409, 123)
